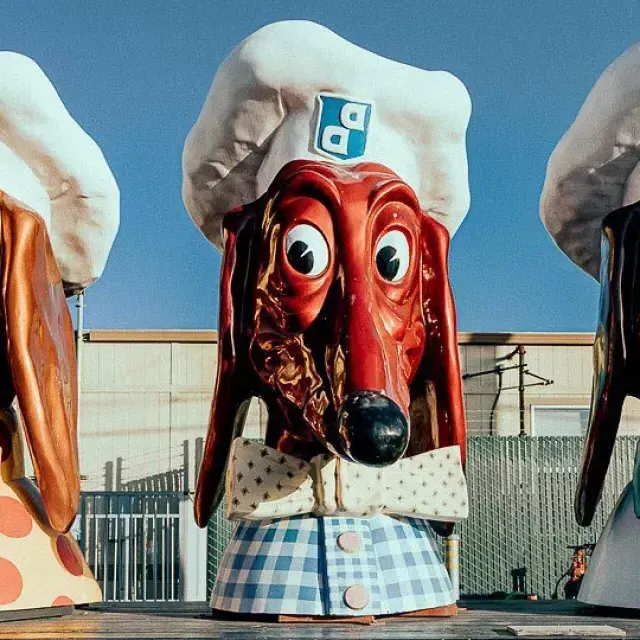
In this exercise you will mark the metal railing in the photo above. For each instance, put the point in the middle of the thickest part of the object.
(131, 542)
(521, 516)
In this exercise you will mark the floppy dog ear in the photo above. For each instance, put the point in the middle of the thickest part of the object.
(232, 394)
(615, 353)
(40, 352)
(437, 405)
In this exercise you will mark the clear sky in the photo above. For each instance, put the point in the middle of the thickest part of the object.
(135, 73)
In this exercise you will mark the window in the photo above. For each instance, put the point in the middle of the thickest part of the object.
(559, 421)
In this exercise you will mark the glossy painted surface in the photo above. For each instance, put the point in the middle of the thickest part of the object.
(615, 352)
(38, 360)
(40, 564)
(369, 315)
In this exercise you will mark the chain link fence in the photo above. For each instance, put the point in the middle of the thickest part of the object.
(218, 535)
(521, 511)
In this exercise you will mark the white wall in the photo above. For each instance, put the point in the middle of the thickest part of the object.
(140, 402)
(142, 399)
(571, 369)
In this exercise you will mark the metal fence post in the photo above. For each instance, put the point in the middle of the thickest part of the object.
(192, 544)
(452, 561)
(193, 555)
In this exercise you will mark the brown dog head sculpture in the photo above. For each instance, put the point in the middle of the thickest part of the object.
(336, 310)
(39, 364)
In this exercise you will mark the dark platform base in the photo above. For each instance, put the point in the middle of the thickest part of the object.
(36, 614)
(476, 619)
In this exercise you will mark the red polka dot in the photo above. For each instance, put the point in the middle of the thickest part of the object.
(15, 520)
(62, 601)
(69, 556)
(10, 582)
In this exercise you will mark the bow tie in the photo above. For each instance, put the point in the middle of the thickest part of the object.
(263, 483)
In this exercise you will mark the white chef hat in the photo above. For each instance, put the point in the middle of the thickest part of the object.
(51, 165)
(296, 90)
(595, 168)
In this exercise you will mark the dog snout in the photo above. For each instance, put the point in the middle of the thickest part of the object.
(372, 429)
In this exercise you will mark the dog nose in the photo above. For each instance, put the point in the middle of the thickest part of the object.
(372, 429)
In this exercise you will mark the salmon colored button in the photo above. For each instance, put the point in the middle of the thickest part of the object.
(356, 596)
(349, 541)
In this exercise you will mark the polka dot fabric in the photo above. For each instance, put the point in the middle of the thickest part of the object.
(10, 582)
(15, 520)
(38, 566)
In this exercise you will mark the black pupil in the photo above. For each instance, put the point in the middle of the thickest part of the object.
(387, 262)
(300, 258)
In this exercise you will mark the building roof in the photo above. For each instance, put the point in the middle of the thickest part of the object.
(466, 338)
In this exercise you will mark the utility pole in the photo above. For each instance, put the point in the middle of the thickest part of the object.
(521, 385)
(523, 372)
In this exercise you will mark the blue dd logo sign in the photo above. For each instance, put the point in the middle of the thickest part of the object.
(343, 125)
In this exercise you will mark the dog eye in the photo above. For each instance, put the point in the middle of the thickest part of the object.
(392, 255)
(307, 250)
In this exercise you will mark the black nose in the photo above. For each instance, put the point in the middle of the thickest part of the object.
(372, 429)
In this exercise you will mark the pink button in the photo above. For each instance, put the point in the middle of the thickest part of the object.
(356, 596)
(349, 541)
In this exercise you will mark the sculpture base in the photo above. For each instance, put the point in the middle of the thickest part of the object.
(611, 579)
(36, 614)
(40, 569)
(302, 566)
(448, 611)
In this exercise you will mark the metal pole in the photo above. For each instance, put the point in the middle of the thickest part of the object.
(521, 366)
(79, 334)
(185, 467)
(452, 561)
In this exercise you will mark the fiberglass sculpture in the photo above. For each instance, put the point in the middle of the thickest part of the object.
(591, 207)
(59, 213)
(332, 179)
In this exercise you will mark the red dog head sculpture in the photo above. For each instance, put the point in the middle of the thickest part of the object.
(336, 310)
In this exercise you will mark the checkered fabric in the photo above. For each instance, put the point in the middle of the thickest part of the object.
(296, 566)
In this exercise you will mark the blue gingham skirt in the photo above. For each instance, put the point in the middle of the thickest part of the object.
(295, 566)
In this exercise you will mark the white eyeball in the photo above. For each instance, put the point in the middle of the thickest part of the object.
(307, 250)
(392, 255)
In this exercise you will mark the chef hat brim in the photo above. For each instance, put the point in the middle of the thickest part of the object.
(83, 195)
(591, 171)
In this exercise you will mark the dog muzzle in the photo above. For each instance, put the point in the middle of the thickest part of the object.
(372, 430)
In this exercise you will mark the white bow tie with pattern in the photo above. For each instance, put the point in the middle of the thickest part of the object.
(263, 483)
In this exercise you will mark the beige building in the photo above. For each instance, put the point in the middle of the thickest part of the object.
(556, 377)
(145, 393)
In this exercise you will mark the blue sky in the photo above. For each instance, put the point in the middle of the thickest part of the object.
(135, 74)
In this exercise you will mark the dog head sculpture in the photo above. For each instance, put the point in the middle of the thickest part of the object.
(336, 310)
(59, 213)
(331, 178)
(38, 363)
